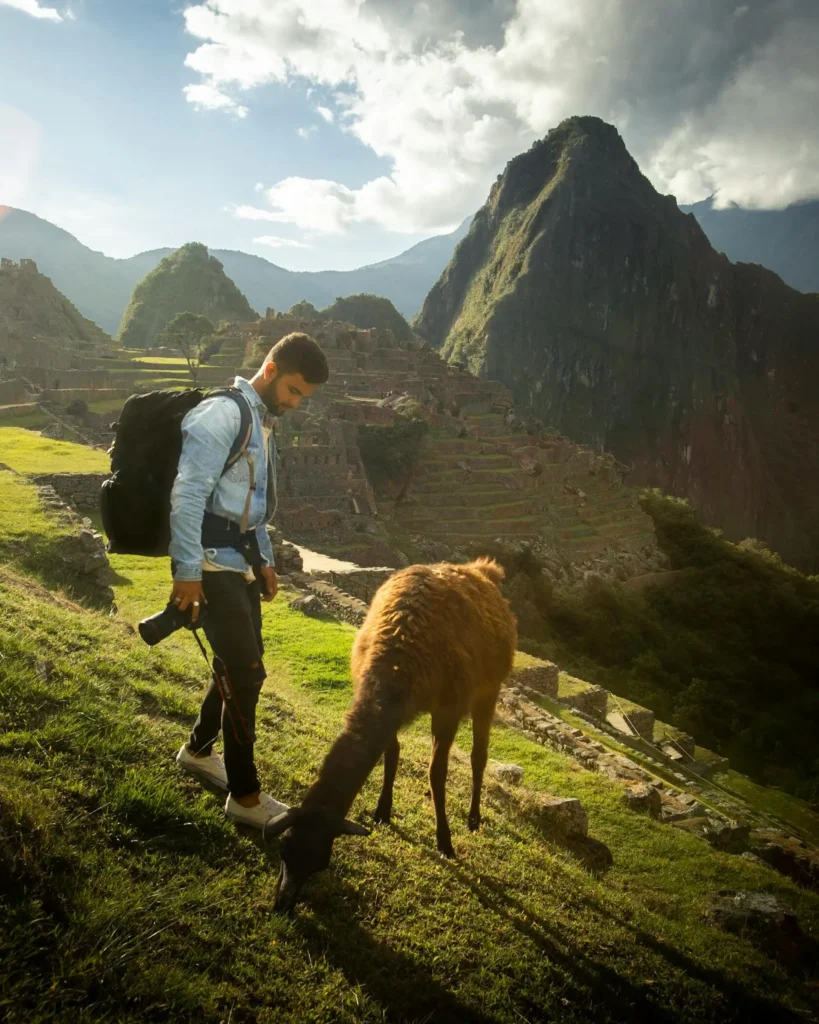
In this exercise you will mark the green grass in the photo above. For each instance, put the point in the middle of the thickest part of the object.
(568, 686)
(28, 421)
(164, 361)
(29, 453)
(107, 405)
(125, 896)
(781, 805)
(523, 660)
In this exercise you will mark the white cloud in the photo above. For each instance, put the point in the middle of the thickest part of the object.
(306, 132)
(312, 204)
(277, 242)
(326, 113)
(20, 141)
(33, 8)
(710, 96)
(207, 97)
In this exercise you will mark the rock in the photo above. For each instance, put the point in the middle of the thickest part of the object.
(644, 799)
(564, 815)
(788, 856)
(733, 837)
(762, 919)
(511, 773)
(310, 605)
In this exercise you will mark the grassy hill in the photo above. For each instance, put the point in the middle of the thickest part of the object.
(125, 896)
(188, 280)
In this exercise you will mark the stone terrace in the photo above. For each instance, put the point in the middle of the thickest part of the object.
(481, 475)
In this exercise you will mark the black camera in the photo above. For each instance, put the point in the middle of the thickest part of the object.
(161, 625)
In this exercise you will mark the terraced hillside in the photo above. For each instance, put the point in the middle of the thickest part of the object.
(484, 469)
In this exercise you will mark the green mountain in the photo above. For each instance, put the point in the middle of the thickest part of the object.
(101, 286)
(605, 309)
(189, 280)
(360, 310)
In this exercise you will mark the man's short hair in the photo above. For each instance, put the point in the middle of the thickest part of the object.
(299, 353)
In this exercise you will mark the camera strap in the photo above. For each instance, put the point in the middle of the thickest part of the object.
(223, 685)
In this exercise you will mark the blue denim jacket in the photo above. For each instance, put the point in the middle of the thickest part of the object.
(208, 431)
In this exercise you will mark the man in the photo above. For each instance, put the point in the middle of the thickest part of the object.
(221, 556)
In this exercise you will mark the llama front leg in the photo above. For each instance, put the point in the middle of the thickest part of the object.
(383, 811)
(482, 714)
(444, 727)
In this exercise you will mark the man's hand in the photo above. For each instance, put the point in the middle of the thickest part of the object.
(187, 593)
(270, 582)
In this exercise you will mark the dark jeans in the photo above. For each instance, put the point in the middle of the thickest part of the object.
(233, 626)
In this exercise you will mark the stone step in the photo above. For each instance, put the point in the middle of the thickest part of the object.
(443, 463)
(467, 528)
(18, 409)
(436, 483)
(472, 497)
(455, 513)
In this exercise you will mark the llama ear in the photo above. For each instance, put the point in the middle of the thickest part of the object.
(275, 826)
(352, 828)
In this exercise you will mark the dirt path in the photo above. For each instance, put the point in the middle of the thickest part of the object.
(314, 560)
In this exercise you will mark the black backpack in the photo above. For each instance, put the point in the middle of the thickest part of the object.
(136, 500)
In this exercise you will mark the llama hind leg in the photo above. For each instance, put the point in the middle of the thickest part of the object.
(444, 727)
(383, 810)
(482, 714)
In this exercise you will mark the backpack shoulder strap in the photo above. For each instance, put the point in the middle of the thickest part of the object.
(242, 439)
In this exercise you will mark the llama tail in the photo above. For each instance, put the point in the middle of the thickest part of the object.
(489, 568)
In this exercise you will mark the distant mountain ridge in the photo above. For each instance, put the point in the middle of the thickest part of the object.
(786, 241)
(101, 286)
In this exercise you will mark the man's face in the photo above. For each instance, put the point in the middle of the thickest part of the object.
(284, 392)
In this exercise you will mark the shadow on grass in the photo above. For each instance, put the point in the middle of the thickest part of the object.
(589, 985)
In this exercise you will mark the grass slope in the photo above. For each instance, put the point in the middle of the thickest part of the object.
(125, 896)
(28, 453)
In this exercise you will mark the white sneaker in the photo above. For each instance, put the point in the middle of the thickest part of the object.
(210, 768)
(257, 816)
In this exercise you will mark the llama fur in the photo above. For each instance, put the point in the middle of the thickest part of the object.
(438, 640)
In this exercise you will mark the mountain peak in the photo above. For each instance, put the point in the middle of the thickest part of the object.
(188, 280)
(605, 309)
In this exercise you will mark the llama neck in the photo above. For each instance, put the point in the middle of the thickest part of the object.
(351, 758)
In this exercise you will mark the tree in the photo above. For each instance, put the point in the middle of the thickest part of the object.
(192, 335)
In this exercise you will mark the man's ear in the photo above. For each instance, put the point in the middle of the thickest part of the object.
(270, 370)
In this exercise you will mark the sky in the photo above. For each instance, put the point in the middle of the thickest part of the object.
(327, 134)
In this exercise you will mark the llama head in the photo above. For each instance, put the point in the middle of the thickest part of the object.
(306, 848)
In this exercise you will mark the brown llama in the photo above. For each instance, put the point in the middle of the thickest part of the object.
(437, 639)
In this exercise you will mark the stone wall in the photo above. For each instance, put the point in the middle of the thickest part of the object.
(80, 553)
(593, 700)
(13, 391)
(360, 583)
(80, 490)
(541, 678)
(340, 605)
(31, 354)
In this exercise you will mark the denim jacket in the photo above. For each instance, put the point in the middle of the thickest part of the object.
(208, 431)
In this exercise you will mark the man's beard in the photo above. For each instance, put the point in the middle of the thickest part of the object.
(268, 396)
